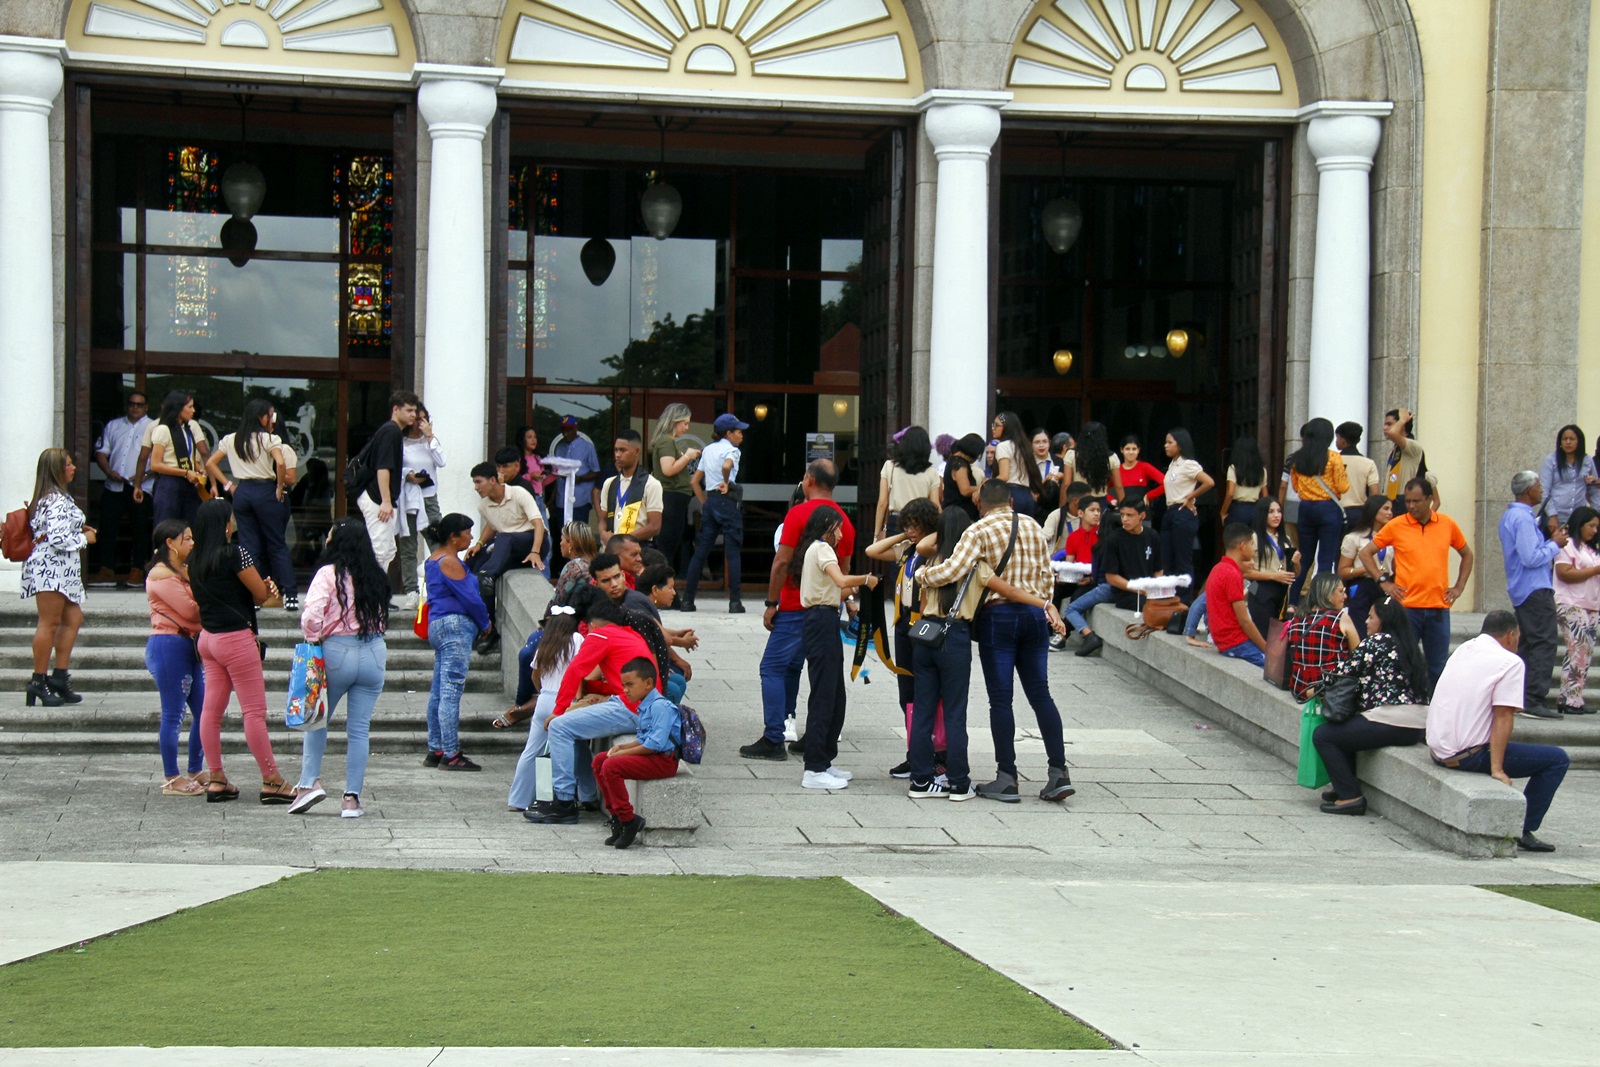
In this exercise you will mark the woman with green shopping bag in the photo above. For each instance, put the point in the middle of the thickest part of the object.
(1393, 678)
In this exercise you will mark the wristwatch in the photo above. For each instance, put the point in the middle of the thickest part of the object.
(770, 603)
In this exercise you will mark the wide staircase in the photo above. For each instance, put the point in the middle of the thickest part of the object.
(120, 709)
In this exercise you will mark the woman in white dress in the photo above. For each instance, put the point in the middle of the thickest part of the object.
(53, 576)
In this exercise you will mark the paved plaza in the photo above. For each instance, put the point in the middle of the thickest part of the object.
(1189, 901)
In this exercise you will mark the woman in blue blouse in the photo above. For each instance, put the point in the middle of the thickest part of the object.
(1569, 475)
(456, 616)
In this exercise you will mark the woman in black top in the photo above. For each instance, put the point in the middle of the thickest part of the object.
(960, 483)
(228, 589)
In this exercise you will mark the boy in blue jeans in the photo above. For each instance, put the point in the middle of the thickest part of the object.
(653, 755)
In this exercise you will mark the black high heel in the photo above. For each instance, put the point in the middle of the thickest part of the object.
(59, 683)
(39, 690)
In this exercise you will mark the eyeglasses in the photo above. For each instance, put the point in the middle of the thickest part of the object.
(138, 404)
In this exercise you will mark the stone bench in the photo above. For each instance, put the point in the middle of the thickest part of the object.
(1469, 814)
(671, 806)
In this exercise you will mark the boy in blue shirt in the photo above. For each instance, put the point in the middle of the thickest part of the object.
(654, 755)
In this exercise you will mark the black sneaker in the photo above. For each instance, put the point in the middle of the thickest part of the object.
(588, 805)
(1092, 643)
(1541, 710)
(927, 791)
(764, 749)
(458, 762)
(487, 644)
(616, 831)
(553, 813)
(630, 830)
(901, 770)
(686, 605)
(959, 793)
(798, 747)
(432, 758)
(735, 607)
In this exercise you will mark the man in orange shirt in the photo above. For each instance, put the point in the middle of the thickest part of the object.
(1422, 539)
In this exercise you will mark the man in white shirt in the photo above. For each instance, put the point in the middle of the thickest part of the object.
(716, 485)
(631, 502)
(116, 453)
(1472, 713)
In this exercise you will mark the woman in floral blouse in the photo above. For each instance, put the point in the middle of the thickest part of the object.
(1394, 684)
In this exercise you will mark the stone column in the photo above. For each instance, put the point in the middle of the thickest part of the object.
(458, 103)
(962, 127)
(1343, 138)
(30, 82)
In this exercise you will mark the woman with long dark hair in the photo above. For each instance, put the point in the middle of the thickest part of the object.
(178, 450)
(1319, 479)
(1578, 604)
(228, 589)
(171, 657)
(347, 612)
(1246, 476)
(961, 477)
(1013, 462)
(1186, 482)
(532, 465)
(1569, 475)
(815, 568)
(1364, 592)
(907, 475)
(1092, 463)
(919, 519)
(1394, 687)
(456, 616)
(942, 676)
(674, 454)
(1275, 563)
(262, 476)
(53, 575)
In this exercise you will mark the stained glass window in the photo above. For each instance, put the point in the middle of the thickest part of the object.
(363, 190)
(192, 192)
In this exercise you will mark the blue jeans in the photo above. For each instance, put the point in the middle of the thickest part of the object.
(262, 520)
(941, 676)
(525, 666)
(451, 637)
(522, 782)
(1248, 651)
(1197, 612)
(1321, 532)
(1178, 531)
(677, 685)
(1016, 637)
(780, 673)
(1433, 630)
(1544, 766)
(506, 551)
(605, 719)
(171, 661)
(1077, 611)
(719, 515)
(355, 668)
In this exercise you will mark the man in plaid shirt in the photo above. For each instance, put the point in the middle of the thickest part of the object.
(1013, 632)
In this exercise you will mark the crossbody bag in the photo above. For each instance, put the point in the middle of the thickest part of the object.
(930, 631)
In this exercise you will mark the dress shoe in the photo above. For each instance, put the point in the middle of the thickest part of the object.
(735, 607)
(1329, 796)
(1359, 807)
(1576, 709)
(1529, 843)
(1092, 643)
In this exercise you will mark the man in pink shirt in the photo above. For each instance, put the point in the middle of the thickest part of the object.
(1472, 713)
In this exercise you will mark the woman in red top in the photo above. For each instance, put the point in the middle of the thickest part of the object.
(1137, 475)
(612, 642)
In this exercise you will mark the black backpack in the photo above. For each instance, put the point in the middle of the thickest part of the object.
(357, 474)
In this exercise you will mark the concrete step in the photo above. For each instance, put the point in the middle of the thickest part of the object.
(139, 717)
(483, 678)
(89, 656)
(414, 740)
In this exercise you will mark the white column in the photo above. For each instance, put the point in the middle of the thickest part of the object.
(30, 81)
(1343, 138)
(962, 128)
(458, 103)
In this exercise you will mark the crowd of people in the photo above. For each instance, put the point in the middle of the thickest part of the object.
(1006, 541)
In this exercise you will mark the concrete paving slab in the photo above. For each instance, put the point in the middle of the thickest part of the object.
(1280, 971)
(569, 1057)
(46, 906)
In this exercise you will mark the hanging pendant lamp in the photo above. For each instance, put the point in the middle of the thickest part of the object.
(1061, 220)
(661, 206)
(243, 189)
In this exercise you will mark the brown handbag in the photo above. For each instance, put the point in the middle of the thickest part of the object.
(1157, 612)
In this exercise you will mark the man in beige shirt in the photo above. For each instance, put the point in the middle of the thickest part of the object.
(630, 502)
(512, 531)
(1363, 473)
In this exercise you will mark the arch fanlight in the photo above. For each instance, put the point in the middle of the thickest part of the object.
(831, 47)
(1151, 54)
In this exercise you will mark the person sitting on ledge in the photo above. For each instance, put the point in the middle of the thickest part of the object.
(1475, 705)
(653, 754)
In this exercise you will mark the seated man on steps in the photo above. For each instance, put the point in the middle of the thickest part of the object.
(1133, 551)
(513, 533)
(1475, 705)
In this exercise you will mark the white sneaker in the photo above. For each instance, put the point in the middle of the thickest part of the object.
(789, 731)
(840, 772)
(408, 602)
(822, 780)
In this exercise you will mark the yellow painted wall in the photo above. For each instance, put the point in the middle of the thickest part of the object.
(1454, 40)
(1589, 289)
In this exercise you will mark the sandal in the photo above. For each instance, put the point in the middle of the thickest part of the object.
(220, 789)
(509, 718)
(279, 792)
(181, 785)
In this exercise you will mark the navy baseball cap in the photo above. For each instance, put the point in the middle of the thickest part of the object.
(728, 422)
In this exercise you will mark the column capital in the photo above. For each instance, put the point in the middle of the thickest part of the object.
(962, 124)
(1344, 134)
(30, 73)
(457, 101)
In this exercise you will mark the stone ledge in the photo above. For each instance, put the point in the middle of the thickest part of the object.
(524, 594)
(1468, 814)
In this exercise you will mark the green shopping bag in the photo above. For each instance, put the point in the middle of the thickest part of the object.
(1312, 774)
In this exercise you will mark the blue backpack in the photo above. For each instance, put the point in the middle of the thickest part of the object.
(693, 732)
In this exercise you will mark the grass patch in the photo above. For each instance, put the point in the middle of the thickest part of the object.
(416, 958)
(1580, 900)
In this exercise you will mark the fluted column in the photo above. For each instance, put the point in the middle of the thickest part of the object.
(962, 127)
(30, 82)
(1344, 139)
(458, 103)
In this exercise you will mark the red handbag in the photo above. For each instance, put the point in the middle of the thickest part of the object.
(420, 626)
(938, 727)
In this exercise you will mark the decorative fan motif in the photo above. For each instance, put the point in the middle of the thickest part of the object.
(304, 28)
(1151, 46)
(840, 40)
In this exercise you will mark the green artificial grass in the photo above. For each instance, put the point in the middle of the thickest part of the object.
(417, 958)
(1580, 900)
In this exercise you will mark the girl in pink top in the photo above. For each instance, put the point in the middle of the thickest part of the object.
(1577, 589)
(170, 656)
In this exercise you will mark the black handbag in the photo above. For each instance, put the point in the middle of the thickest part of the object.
(1341, 698)
(931, 630)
